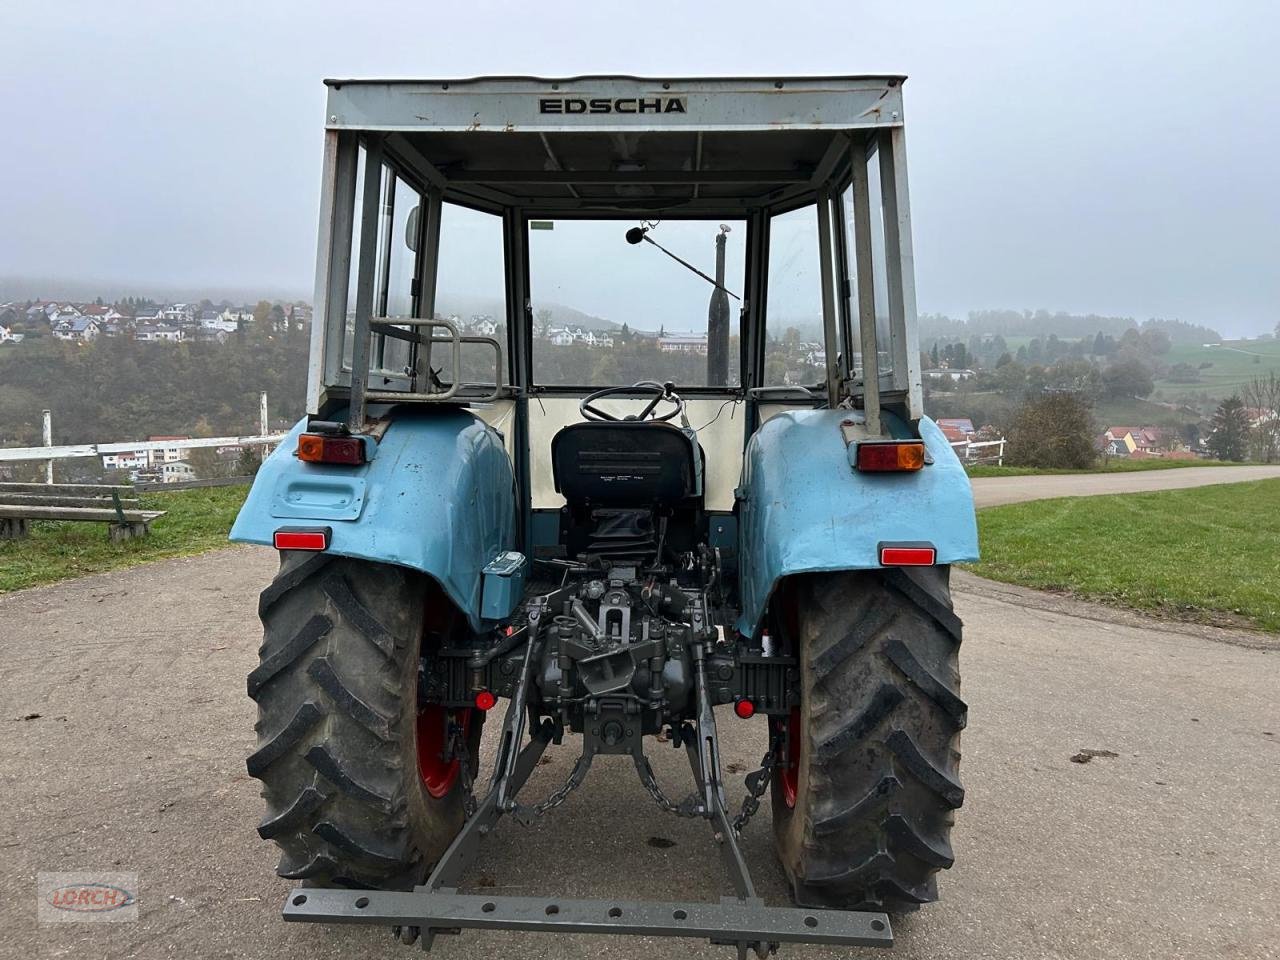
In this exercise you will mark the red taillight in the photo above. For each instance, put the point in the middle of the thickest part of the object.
(318, 448)
(745, 709)
(907, 555)
(485, 700)
(316, 538)
(891, 457)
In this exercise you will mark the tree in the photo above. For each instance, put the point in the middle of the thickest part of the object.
(1229, 431)
(204, 461)
(542, 323)
(1053, 430)
(1128, 378)
(1262, 397)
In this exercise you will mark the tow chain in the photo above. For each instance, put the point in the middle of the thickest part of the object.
(689, 807)
(757, 784)
(526, 815)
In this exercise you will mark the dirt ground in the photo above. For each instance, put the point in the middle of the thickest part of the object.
(125, 727)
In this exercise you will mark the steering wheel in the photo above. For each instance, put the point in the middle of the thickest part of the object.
(660, 392)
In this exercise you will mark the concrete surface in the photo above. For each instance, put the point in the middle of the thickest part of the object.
(992, 491)
(136, 763)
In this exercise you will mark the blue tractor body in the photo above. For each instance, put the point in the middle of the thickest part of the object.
(438, 495)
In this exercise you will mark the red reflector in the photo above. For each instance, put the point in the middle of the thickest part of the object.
(485, 700)
(890, 457)
(745, 709)
(907, 556)
(301, 539)
(316, 448)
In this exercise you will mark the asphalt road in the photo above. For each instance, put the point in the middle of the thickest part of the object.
(135, 763)
(992, 491)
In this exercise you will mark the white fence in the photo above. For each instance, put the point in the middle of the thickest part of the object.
(50, 452)
(73, 450)
(980, 451)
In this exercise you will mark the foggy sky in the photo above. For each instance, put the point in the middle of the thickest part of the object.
(1117, 158)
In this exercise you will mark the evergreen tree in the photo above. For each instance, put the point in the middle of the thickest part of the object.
(1229, 431)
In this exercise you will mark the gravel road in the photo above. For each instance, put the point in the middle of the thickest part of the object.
(126, 727)
(992, 491)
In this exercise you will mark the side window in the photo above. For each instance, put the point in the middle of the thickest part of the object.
(878, 266)
(470, 286)
(471, 291)
(397, 256)
(793, 352)
(357, 217)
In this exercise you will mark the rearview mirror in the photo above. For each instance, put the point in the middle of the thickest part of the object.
(411, 229)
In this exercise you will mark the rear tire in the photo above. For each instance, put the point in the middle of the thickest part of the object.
(337, 694)
(875, 786)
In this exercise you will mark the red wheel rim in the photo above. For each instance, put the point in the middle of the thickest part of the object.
(790, 772)
(437, 774)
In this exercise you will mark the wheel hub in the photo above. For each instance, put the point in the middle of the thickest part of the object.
(437, 770)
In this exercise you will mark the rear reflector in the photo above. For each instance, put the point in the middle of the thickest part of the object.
(311, 538)
(317, 448)
(907, 555)
(485, 700)
(745, 709)
(892, 457)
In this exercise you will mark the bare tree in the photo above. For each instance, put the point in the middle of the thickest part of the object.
(1262, 398)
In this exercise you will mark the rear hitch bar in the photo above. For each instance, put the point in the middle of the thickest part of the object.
(436, 907)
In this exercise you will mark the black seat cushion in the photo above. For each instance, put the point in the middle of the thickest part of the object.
(629, 462)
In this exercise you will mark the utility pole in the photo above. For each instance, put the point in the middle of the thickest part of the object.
(718, 321)
(48, 442)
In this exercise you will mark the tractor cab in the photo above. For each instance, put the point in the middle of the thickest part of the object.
(614, 413)
(513, 245)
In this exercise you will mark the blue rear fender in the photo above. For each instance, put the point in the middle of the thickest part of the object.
(803, 509)
(438, 496)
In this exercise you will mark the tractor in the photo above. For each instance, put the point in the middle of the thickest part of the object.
(613, 415)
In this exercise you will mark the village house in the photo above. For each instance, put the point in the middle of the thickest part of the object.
(78, 328)
(176, 472)
(1140, 442)
(154, 332)
(178, 313)
(126, 460)
(955, 375)
(683, 343)
(166, 454)
(956, 429)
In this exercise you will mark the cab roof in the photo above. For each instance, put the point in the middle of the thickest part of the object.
(621, 142)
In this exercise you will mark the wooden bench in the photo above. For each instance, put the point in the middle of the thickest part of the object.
(117, 506)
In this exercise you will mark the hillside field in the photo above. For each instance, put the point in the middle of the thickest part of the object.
(1234, 364)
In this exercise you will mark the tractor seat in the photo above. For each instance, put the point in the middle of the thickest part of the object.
(627, 463)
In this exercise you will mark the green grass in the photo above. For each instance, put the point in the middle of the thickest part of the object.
(197, 520)
(1234, 364)
(1113, 466)
(1206, 554)
(1132, 412)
